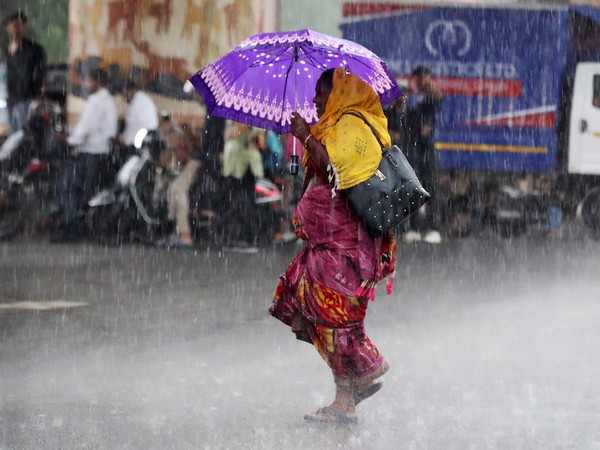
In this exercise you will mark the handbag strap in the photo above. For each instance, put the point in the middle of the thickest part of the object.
(357, 114)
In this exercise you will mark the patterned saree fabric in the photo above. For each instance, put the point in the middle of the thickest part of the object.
(353, 150)
(331, 280)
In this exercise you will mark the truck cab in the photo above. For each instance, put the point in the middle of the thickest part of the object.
(584, 129)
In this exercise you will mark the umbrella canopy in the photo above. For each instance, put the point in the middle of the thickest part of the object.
(270, 75)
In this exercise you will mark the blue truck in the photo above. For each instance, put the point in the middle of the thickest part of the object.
(521, 92)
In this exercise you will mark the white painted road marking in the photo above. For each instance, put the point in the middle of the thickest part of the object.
(42, 305)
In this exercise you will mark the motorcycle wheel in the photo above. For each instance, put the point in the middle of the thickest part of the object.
(108, 225)
(10, 224)
(21, 210)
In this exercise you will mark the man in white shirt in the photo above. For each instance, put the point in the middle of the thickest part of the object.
(91, 142)
(141, 113)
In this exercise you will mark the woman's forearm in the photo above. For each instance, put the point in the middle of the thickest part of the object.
(318, 153)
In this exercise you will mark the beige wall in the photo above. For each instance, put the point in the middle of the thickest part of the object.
(176, 37)
(181, 34)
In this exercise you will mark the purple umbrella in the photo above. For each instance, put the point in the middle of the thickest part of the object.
(269, 75)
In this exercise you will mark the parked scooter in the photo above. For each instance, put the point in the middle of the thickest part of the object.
(30, 161)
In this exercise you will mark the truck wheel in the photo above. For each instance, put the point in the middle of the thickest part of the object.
(590, 212)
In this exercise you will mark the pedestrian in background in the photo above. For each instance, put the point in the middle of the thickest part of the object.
(178, 202)
(242, 153)
(91, 142)
(396, 116)
(242, 165)
(203, 163)
(25, 69)
(271, 147)
(420, 121)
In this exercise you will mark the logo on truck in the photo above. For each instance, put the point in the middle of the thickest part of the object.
(449, 38)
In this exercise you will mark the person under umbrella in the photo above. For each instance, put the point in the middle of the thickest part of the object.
(324, 293)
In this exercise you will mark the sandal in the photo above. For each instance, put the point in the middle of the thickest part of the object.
(367, 392)
(330, 415)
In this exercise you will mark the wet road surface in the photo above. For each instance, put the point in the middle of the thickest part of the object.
(493, 343)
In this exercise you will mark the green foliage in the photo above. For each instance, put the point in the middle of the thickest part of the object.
(48, 24)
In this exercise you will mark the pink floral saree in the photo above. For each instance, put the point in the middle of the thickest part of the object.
(324, 293)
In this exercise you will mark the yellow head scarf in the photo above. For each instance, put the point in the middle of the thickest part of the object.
(353, 150)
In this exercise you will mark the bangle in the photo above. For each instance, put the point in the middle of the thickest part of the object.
(305, 142)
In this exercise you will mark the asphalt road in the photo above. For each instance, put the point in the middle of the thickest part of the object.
(493, 343)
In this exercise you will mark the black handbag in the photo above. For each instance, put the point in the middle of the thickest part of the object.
(391, 195)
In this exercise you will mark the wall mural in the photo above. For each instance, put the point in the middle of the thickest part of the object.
(160, 43)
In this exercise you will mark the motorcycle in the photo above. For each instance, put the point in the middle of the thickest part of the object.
(30, 161)
(502, 208)
(134, 209)
(126, 211)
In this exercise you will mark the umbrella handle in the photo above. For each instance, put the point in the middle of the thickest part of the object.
(294, 159)
(294, 165)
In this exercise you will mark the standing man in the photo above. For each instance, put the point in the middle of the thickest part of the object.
(420, 122)
(25, 69)
(91, 141)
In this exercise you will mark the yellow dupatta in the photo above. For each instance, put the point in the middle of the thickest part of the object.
(353, 150)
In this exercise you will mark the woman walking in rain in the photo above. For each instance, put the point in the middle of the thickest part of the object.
(324, 293)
